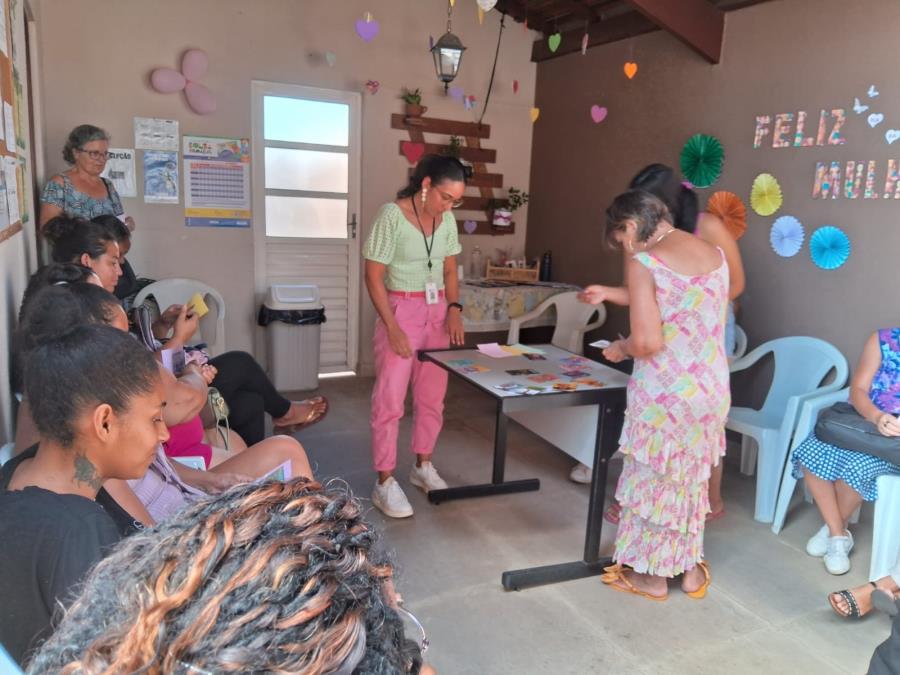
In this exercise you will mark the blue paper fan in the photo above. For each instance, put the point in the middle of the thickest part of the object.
(786, 236)
(829, 247)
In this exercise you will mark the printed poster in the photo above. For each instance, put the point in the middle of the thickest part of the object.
(4, 44)
(10, 164)
(160, 177)
(10, 125)
(152, 133)
(216, 182)
(120, 170)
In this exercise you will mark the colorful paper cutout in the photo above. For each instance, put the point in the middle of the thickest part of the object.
(460, 363)
(858, 107)
(873, 92)
(786, 236)
(515, 86)
(412, 151)
(535, 113)
(891, 135)
(372, 86)
(543, 377)
(584, 43)
(470, 226)
(875, 119)
(367, 28)
(701, 160)
(598, 113)
(456, 93)
(630, 69)
(765, 195)
(829, 247)
(469, 102)
(554, 41)
(729, 207)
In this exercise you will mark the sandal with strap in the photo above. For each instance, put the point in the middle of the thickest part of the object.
(615, 575)
(314, 416)
(850, 599)
(612, 514)
(700, 593)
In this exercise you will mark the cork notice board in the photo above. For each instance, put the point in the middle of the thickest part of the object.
(9, 119)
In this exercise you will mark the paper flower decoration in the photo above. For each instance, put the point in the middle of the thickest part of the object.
(701, 160)
(729, 207)
(765, 196)
(829, 247)
(786, 236)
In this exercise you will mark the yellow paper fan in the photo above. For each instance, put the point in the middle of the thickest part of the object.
(765, 196)
(729, 207)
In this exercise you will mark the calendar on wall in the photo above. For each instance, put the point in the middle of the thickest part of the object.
(216, 181)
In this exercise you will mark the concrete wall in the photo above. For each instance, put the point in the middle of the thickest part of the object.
(97, 55)
(779, 57)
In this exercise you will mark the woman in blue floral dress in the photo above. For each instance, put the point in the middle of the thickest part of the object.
(840, 479)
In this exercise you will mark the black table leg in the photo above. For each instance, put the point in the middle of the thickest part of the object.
(591, 564)
(497, 486)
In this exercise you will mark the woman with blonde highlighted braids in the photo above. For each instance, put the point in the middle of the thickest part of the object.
(263, 578)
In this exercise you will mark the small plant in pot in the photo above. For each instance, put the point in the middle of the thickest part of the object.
(413, 100)
(454, 147)
(502, 217)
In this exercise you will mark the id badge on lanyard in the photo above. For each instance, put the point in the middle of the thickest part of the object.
(432, 296)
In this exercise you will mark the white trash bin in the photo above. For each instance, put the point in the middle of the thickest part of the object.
(293, 316)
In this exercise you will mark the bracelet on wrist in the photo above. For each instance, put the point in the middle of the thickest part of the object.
(455, 304)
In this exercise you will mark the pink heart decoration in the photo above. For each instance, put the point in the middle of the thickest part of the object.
(515, 86)
(456, 93)
(167, 80)
(470, 226)
(598, 113)
(367, 30)
(412, 151)
(200, 98)
(372, 86)
(194, 64)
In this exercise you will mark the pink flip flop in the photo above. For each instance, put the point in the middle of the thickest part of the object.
(710, 517)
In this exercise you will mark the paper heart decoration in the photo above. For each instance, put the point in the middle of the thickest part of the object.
(194, 65)
(330, 58)
(487, 5)
(875, 119)
(367, 30)
(456, 93)
(469, 102)
(515, 86)
(535, 113)
(553, 41)
(630, 70)
(584, 44)
(412, 151)
(598, 113)
(470, 226)
(372, 86)
(891, 135)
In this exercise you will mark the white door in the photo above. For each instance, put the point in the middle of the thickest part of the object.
(306, 168)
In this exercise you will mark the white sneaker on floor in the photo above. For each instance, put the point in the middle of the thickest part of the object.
(390, 499)
(581, 473)
(817, 546)
(837, 558)
(426, 477)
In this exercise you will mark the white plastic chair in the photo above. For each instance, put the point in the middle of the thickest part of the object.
(572, 317)
(169, 292)
(740, 343)
(6, 452)
(801, 364)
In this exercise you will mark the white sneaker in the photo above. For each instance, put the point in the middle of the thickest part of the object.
(426, 477)
(817, 546)
(837, 558)
(390, 499)
(581, 473)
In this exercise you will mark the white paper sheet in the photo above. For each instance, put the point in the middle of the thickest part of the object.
(120, 170)
(153, 133)
(12, 188)
(9, 125)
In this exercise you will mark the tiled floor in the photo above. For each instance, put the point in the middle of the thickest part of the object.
(766, 612)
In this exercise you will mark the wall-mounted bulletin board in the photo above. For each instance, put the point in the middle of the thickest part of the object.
(12, 202)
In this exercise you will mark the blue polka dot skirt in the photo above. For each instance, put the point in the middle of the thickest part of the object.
(829, 462)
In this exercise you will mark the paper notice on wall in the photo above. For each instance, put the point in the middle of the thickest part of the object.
(4, 213)
(12, 188)
(153, 133)
(216, 182)
(120, 170)
(10, 125)
(4, 45)
(160, 177)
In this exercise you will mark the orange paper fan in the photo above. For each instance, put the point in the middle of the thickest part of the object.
(729, 207)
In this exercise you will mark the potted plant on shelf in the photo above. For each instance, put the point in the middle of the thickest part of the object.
(414, 107)
(454, 147)
(502, 216)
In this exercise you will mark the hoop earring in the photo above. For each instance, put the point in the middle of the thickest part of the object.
(424, 193)
(630, 246)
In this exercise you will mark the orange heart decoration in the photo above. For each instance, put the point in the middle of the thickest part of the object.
(630, 70)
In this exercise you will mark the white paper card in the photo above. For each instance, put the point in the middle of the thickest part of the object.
(153, 133)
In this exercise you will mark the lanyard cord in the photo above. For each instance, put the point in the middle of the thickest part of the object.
(428, 246)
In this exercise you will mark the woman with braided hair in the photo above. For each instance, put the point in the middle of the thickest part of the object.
(276, 577)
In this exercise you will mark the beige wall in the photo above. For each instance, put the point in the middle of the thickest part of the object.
(97, 55)
(778, 57)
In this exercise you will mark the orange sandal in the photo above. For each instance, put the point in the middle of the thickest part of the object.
(615, 575)
(700, 593)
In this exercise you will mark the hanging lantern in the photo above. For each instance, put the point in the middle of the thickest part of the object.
(447, 53)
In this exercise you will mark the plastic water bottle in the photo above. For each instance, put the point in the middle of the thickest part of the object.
(546, 266)
(476, 271)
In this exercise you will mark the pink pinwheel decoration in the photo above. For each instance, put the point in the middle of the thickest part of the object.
(194, 65)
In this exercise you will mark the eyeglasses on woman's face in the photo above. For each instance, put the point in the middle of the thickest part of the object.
(96, 155)
(449, 199)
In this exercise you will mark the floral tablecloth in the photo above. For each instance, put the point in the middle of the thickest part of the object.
(489, 305)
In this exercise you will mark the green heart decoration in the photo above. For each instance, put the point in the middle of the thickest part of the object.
(553, 41)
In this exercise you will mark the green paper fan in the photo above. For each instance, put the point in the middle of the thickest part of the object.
(701, 160)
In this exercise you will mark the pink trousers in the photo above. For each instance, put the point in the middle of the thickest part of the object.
(425, 326)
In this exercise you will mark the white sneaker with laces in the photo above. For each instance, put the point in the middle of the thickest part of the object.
(837, 558)
(581, 473)
(817, 546)
(426, 477)
(390, 499)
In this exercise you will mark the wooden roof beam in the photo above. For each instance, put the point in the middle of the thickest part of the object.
(617, 28)
(697, 23)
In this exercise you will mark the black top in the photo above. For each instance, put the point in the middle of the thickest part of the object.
(58, 538)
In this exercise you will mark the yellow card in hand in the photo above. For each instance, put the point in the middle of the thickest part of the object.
(197, 304)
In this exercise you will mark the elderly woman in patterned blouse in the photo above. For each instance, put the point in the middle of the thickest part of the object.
(81, 191)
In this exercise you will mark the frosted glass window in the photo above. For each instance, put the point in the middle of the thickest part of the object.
(306, 217)
(288, 169)
(300, 120)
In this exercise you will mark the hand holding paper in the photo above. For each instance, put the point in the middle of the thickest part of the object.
(197, 304)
